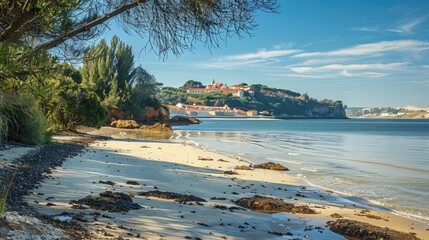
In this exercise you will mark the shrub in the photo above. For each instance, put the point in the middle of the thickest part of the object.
(78, 106)
(22, 120)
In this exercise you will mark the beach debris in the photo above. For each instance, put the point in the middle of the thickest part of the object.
(222, 160)
(280, 234)
(157, 127)
(125, 124)
(107, 182)
(272, 205)
(336, 215)
(242, 167)
(360, 230)
(202, 224)
(217, 198)
(221, 207)
(271, 166)
(231, 209)
(133, 183)
(230, 172)
(109, 201)
(205, 159)
(367, 213)
(77, 206)
(181, 198)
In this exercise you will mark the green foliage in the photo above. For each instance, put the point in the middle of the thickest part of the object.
(109, 71)
(25, 121)
(192, 84)
(144, 89)
(78, 106)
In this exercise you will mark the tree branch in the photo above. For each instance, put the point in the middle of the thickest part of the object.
(57, 41)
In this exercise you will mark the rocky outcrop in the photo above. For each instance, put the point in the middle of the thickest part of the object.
(125, 124)
(359, 230)
(184, 120)
(115, 113)
(272, 205)
(157, 127)
(161, 113)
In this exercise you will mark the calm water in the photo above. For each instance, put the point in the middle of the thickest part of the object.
(383, 161)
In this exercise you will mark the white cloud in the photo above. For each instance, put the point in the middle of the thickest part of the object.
(346, 73)
(409, 26)
(350, 70)
(263, 54)
(406, 26)
(349, 67)
(366, 29)
(229, 64)
(408, 46)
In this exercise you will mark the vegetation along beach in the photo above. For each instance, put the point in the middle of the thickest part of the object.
(204, 119)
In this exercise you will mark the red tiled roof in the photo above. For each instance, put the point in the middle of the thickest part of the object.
(229, 91)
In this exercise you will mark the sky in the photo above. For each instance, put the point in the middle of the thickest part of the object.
(366, 53)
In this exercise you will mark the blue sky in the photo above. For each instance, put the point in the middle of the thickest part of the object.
(365, 53)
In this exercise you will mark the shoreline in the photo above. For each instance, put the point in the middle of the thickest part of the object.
(347, 196)
(180, 162)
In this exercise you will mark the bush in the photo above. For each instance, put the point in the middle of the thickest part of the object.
(21, 120)
(78, 106)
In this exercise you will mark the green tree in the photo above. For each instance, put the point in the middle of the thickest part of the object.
(112, 76)
(107, 70)
(144, 89)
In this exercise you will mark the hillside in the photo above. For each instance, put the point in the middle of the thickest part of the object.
(409, 112)
(281, 103)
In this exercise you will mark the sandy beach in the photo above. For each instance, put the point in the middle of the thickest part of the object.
(184, 169)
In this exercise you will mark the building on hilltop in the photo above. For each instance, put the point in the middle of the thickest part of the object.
(235, 93)
(216, 87)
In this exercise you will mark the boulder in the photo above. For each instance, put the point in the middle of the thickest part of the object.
(271, 166)
(180, 120)
(161, 113)
(125, 124)
(157, 127)
(115, 113)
